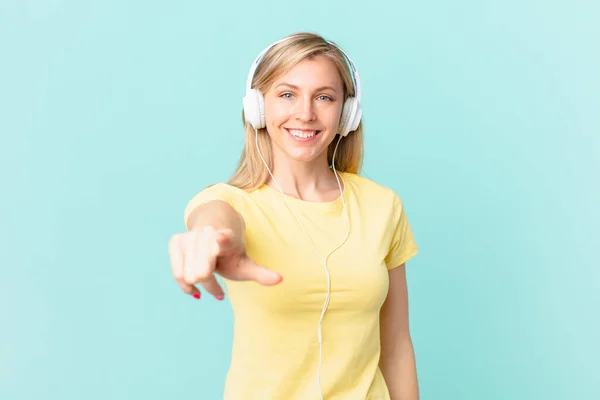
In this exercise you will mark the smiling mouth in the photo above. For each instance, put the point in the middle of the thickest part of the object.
(302, 134)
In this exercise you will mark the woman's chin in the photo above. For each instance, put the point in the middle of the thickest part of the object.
(303, 158)
(301, 154)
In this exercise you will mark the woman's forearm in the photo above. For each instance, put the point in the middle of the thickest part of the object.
(399, 370)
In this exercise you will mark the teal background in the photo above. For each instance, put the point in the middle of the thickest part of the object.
(482, 115)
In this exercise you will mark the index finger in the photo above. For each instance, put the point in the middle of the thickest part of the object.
(248, 270)
(177, 265)
(176, 256)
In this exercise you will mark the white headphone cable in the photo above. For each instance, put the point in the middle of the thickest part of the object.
(324, 260)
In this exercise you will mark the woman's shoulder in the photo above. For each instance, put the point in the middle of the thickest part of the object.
(222, 191)
(225, 188)
(371, 189)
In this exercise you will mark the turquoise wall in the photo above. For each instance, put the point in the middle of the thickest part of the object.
(482, 115)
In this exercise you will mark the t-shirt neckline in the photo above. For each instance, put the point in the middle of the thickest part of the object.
(332, 205)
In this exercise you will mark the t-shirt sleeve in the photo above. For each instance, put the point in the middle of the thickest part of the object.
(210, 193)
(403, 245)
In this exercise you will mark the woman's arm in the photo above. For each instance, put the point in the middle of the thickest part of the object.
(214, 244)
(219, 215)
(397, 360)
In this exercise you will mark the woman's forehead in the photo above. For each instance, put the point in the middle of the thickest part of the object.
(313, 71)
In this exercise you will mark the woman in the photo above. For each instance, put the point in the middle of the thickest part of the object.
(313, 254)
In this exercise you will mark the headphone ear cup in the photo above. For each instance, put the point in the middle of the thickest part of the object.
(351, 114)
(356, 116)
(260, 100)
(254, 108)
(344, 118)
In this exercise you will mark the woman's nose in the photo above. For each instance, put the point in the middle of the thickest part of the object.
(305, 110)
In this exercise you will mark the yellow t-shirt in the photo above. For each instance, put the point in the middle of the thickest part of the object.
(275, 354)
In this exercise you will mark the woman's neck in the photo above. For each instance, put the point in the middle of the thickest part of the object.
(310, 181)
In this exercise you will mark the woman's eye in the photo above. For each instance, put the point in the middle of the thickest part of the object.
(290, 95)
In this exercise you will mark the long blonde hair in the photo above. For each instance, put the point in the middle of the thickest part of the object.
(251, 172)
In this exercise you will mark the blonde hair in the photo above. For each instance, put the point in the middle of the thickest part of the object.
(251, 172)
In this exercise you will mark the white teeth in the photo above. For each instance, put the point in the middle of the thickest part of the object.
(302, 134)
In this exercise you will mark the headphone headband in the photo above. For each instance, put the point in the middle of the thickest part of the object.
(355, 76)
(254, 107)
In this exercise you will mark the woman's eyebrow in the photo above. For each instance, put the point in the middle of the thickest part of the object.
(316, 90)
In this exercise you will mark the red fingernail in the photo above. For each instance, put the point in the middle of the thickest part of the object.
(196, 295)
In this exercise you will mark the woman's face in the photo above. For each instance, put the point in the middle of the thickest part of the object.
(303, 109)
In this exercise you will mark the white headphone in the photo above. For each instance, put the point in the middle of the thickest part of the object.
(254, 103)
(254, 114)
